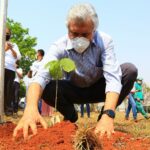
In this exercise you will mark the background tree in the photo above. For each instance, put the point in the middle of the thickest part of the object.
(25, 42)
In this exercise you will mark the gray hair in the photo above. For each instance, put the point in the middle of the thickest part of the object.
(82, 12)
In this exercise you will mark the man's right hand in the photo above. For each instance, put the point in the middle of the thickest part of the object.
(30, 118)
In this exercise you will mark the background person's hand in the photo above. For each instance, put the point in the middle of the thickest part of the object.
(105, 126)
(10, 45)
(6, 46)
(30, 118)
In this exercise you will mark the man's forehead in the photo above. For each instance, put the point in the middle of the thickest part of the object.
(88, 23)
(85, 27)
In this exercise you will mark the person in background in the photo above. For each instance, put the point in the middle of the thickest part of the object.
(87, 110)
(131, 104)
(34, 69)
(27, 79)
(19, 76)
(12, 54)
(36, 64)
(139, 97)
(98, 76)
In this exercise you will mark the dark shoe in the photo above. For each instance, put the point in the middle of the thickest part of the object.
(15, 115)
(147, 117)
(101, 113)
(135, 120)
(126, 118)
(73, 118)
(8, 113)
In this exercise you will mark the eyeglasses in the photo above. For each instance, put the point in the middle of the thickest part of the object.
(76, 34)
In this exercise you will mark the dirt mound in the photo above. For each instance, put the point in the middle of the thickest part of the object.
(60, 137)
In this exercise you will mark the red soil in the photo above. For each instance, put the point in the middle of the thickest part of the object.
(60, 137)
(124, 141)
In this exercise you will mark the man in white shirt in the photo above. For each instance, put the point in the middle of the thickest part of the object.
(98, 76)
(12, 54)
(36, 64)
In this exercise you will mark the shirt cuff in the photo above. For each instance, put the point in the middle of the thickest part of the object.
(113, 88)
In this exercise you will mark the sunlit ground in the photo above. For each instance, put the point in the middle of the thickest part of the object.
(137, 129)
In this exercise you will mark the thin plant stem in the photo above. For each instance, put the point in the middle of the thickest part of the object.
(56, 95)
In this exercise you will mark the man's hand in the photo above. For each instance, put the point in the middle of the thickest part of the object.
(30, 118)
(105, 126)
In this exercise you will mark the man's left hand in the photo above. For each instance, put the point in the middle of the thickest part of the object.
(105, 126)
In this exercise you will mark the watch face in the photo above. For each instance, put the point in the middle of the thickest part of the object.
(110, 113)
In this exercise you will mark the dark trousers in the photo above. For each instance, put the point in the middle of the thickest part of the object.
(8, 90)
(87, 109)
(16, 96)
(68, 94)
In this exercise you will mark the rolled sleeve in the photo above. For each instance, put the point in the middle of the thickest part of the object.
(111, 67)
(42, 78)
(112, 84)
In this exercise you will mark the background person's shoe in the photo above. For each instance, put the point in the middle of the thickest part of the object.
(126, 118)
(147, 117)
(135, 120)
(15, 115)
(8, 113)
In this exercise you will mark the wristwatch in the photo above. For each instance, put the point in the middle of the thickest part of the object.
(110, 113)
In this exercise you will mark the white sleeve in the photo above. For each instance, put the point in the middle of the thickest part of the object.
(111, 67)
(16, 49)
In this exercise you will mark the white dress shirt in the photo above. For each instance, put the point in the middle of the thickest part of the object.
(96, 62)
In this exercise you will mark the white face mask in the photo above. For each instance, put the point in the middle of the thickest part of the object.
(80, 44)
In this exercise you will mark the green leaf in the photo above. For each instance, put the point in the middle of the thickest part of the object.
(67, 64)
(47, 66)
(54, 69)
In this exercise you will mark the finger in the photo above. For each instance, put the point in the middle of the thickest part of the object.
(25, 132)
(108, 135)
(43, 123)
(16, 131)
(102, 133)
(33, 128)
(113, 132)
(96, 131)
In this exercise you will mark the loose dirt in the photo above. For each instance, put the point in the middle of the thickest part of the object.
(60, 137)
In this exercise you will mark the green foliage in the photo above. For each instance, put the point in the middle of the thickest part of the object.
(57, 67)
(25, 42)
